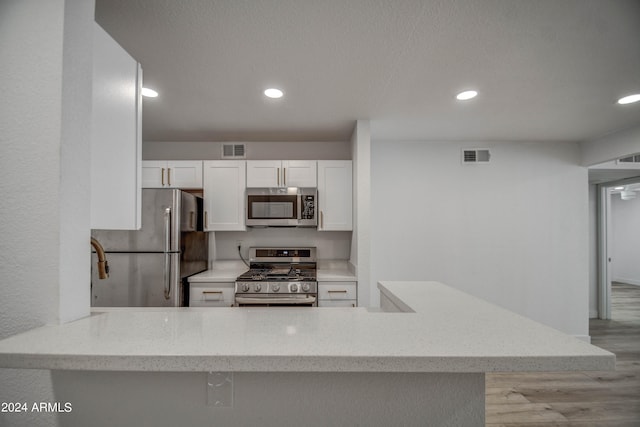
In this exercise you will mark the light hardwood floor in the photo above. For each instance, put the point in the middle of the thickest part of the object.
(608, 399)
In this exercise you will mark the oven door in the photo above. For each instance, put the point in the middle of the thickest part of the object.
(276, 300)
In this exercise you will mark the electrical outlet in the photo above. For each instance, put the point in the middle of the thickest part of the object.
(220, 389)
(238, 243)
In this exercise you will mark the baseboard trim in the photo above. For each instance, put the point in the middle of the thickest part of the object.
(627, 281)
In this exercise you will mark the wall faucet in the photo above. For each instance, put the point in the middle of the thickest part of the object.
(103, 267)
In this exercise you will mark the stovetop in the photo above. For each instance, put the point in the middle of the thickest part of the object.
(280, 273)
(290, 264)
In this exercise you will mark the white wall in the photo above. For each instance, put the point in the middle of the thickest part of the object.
(261, 150)
(626, 240)
(361, 238)
(45, 68)
(331, 245)
(514, 232)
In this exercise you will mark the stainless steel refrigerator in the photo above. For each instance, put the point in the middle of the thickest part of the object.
(149, 267)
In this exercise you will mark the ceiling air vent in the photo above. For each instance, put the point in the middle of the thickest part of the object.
(234, 151)
(475, 156)
(630, 159)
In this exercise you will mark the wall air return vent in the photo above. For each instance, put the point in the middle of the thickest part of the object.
(234, 151)
(475, 155)
(629, 159)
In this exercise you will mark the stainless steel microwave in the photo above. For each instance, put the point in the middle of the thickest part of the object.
(282, 207)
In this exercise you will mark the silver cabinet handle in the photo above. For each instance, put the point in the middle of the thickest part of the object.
(217, 294)
(278, 176)
(284, 176)
(162, 176)
(169, 177)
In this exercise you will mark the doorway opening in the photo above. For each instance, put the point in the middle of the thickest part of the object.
(626, 189)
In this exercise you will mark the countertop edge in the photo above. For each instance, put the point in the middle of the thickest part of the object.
(212, 363)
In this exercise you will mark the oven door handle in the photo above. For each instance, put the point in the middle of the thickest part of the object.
(284, 300)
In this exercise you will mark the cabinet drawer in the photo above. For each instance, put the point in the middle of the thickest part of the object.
(338, 303)
(211, 296)
(332, 291)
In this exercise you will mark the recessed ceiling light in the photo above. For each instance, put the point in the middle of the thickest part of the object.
(466, 95)
(618, 188)
(273, 93)
(630, 99)
(149, 93)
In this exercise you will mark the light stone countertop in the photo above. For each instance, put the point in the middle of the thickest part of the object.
(448, 331)
(336, 271)
(222, 272)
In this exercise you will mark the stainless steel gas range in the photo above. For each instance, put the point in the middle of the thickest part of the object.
(278, 277)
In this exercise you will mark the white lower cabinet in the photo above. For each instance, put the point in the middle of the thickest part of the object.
(211, 294)
(337, 294)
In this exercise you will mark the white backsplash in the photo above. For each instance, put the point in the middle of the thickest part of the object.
(331, 245)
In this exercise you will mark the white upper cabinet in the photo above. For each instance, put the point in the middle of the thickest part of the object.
(172, 174)
(335, 195)
(224, 195)
(285, 173)
(264, 173)
(116, 136)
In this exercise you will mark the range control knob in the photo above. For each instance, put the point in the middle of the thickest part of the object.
(306, 287)
(258, 287)
(275, 287)
(294, 288)
(245, 287)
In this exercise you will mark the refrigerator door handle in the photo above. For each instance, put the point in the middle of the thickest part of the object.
(167, 254)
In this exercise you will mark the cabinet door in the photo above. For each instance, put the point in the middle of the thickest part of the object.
(154, 173)
(337, 294)
(116, 136)
(211, 295)
(224, 194)
(299, 173)
(337, 291)
(264, 173)
(335, 195)
(184, 174)
(337, 303)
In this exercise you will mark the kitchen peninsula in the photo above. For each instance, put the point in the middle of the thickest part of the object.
(420, 361)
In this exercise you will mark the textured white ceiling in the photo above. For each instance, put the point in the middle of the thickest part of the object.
(545, 69)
